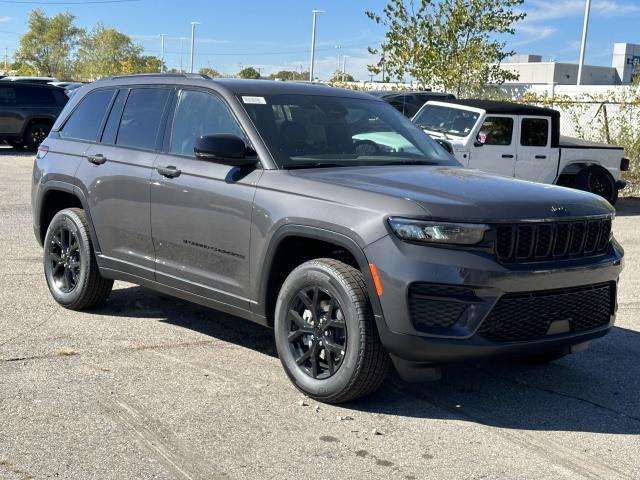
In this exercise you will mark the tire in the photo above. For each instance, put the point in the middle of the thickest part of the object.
(542, 358)
(599, 181)
(70, 266)
(343, 321)
(35, 134)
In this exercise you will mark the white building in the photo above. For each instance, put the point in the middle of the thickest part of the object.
(532, 70)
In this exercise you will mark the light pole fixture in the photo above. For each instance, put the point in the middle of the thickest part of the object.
(162, 35)
(193, 42)
(313, 42)
(583, 46)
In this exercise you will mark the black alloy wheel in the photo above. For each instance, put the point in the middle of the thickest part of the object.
(65, 259)
(317, 332)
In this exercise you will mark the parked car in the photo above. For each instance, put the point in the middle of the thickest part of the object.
(409, 102)
(259, 199)
(17, 78)
(524, 142)
(28, 111)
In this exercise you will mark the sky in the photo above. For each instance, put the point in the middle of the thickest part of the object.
(276, 34)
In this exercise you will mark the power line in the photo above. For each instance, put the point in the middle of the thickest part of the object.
(20, 2)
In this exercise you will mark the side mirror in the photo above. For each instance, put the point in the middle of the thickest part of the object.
(225, 148)
(480, 140)
(478, 143)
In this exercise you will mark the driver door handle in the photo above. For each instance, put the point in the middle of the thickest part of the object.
(507, 155)
(541, 157)
(97, 159)
(169, 172)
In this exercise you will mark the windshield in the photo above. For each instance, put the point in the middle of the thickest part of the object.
(452, 121)
(305, 131)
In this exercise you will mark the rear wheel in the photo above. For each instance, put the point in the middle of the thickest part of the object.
(35, 135)
(325, 333)
(70, 265)
(599, 181)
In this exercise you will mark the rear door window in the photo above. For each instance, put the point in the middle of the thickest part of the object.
(34, 96)
(535, 132)
(142, 117)
(86, 120)
(496, 131)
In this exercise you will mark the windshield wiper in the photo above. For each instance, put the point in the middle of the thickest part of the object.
(409, 162)
(294, 166)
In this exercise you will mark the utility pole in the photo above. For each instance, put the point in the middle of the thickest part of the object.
(182, 39)
(162, 35)
(339, 58)
(193, 42)
(583, 46)
(313, 42)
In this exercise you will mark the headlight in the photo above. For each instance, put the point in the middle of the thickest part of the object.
(438, 232)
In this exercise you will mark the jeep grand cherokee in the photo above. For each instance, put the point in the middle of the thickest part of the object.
(282, 203)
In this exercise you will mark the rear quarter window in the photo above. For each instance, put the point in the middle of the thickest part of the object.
(7, 96)
(85, 121)
(35, 96)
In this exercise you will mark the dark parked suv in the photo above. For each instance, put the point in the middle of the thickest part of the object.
(27, 112)
(325, 214)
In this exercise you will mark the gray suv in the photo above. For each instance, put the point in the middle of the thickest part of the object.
(322, 213)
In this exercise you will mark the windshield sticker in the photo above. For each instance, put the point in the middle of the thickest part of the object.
(254, 100)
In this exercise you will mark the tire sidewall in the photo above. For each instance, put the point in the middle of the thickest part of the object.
(28, 141)
(584, 181)
(70, 220)
(314, 274)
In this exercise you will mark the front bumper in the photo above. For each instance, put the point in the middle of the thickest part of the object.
(401, 265)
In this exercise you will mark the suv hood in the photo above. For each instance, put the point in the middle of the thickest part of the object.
(463, 194)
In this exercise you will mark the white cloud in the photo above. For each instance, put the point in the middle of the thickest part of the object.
(544, 10)
(5, 19)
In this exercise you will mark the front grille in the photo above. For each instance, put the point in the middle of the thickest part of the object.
(530, 242)
(436, 306)
(528, 316)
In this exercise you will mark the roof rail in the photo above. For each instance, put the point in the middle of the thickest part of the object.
(163, 75)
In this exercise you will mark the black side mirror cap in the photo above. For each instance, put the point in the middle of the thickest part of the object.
(478, 143)
(225, 148)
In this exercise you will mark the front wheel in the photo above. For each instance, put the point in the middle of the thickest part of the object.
(325, 332)
(35, 135)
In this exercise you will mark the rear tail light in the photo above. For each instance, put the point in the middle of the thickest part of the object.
(624, 164)
(42, 151)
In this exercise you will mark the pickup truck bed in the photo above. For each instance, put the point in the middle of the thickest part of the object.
(569, 142)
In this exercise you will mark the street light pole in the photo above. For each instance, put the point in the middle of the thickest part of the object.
(313, 42)
(344, 66)
(162, 35)
(193, 42)
(583, 46)
(339, 57)
(182, 39)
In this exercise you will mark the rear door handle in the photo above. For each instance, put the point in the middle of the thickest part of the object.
(97, 159)
(541, 157)
(506, 155)
(169, 172)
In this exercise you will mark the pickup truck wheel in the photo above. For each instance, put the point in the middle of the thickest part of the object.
(35, 135)
(70, 266)
(325, 332)
(599, 181)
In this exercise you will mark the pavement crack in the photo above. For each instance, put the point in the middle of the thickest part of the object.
(517, 381)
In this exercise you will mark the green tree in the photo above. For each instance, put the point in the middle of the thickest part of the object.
(212, 72)
(106, 51)
(450, 45)
(338, 77)
(47, 46)
(289, 75)
(249, 72)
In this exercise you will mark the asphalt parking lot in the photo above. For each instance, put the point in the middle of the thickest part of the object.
(154, 387)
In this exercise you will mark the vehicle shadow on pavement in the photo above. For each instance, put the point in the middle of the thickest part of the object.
(594, 391)
(6, 151)
(628, 207)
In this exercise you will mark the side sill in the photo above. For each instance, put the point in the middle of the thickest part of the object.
(184, 295)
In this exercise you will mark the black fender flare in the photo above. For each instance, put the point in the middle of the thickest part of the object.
(316, 233)
(61, 186)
